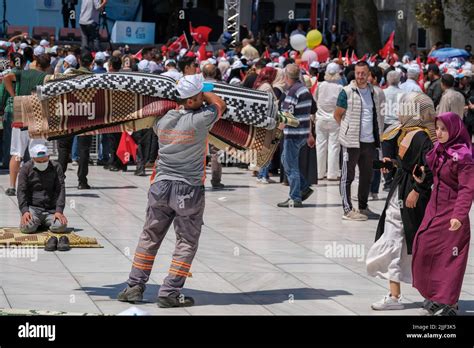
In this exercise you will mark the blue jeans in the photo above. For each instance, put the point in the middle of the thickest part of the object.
(75, 150)
(290, 160)
(104, 147)
(263, 173)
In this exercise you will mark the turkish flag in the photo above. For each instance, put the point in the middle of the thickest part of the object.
(348, 60)
(421, 78)
(354, 57)
(138, 55)
(181, 42)
(127, 147)
(315, 86)
(389, 47)
(202, 53)
(200, 34)
(266, 54)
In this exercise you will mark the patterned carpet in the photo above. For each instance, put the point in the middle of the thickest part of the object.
(12, 236)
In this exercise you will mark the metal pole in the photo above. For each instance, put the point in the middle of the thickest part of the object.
(314, 14)
(232, 19)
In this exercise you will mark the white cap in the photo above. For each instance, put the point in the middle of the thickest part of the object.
(168, 61)
(44, 43)
(237, 65)
(71, 60)
(100, 56)
(333, 68)
(315, 64)
(190, 85)
(182, 52)
(38, 51)
(212, 61)
(54, 49)
(148, 66)
(38, 151)
(413, 69)
(23, 45)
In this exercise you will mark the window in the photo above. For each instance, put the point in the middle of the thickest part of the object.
(302, 10)
(421, 41)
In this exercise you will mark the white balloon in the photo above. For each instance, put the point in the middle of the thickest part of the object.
(298, 42)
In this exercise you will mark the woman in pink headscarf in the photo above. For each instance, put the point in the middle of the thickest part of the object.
(441, 245)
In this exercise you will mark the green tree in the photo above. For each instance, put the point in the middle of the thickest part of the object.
(363, 14)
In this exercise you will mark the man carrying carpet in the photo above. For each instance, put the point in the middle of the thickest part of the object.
(177, 193)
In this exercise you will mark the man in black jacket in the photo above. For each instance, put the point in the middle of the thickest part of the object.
(41, 193)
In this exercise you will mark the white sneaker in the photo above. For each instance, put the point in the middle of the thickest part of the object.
(354, 215)
(259, 180)
(264, 181)
(75, 163)
(388, 303)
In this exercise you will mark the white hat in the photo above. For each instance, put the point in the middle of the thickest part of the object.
(38, 51)
(71, 60)
(54, 49)
(190, 85)
(466, 73)
(237, 65)
(315, 64)
(212, 61)
(44, 43)
(23, 45)
(384, 65)
(182, 52)
(168, 61)
(38, 151)
(100, 56)
(413, 69)
(333, 69)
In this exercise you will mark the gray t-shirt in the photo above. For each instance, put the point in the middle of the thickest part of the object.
(89, 12)
(366, 123)
(182, 137)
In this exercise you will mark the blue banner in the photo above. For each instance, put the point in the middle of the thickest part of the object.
(122, 10)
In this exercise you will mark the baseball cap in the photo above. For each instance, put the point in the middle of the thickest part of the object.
(39, 151)
(100, 56)
(190, 85)
(44, 43)
(23, 45)
(39, 50)
(71, 60)
(315, 65)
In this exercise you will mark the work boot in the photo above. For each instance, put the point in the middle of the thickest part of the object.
(132, 294)
(172, 302)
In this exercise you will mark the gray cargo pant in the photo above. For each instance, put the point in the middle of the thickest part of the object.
(182, 204)
(44, 218)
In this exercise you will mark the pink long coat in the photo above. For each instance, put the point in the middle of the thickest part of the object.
(439, 255)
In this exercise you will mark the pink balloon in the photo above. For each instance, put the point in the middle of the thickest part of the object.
(309, 56)
(322, 52)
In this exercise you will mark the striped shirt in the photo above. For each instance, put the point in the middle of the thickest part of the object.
(298, 102)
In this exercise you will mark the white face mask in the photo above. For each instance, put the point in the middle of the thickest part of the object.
(41, 166)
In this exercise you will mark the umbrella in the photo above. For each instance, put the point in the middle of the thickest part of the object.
(447, 53)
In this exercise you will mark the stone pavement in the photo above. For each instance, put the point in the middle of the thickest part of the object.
(253, 258)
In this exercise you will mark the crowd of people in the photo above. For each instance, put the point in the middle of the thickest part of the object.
(409, 121)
